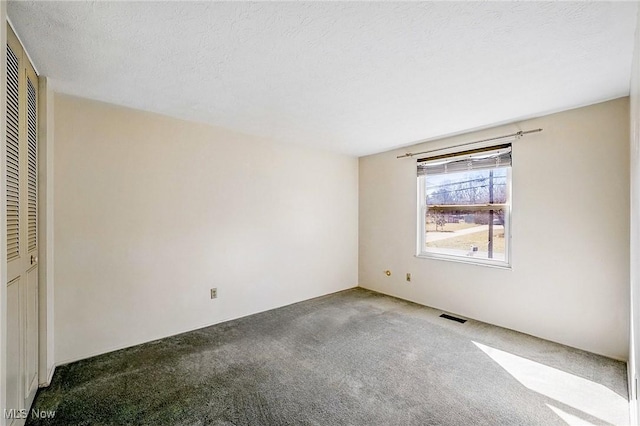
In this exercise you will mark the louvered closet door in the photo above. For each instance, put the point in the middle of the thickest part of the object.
(22, 227)
(14, 157)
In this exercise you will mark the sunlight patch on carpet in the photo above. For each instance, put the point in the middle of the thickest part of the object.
(576, 392)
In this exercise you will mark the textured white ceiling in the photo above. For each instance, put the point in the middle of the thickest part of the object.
(356, 78)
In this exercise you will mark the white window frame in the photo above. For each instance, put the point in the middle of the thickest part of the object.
(421, 248)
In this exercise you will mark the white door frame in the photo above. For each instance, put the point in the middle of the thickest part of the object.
(3, 214)
(45, 231)
(634, 293)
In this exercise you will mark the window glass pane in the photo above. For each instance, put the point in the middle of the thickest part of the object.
(465, 188)
(466, 233)
(459, 218)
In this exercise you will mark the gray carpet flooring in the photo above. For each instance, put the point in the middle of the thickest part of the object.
(351, 358)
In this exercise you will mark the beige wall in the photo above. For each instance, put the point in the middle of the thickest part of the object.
(151, 212)
(570, 223)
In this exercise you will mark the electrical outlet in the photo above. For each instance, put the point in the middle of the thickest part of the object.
(408, 277)
(214, 293)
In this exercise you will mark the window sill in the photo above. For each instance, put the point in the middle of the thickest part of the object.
(468, 260)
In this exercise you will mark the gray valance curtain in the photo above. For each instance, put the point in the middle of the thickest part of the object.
(477, 159)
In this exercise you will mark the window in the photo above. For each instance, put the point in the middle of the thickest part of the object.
(464, 206)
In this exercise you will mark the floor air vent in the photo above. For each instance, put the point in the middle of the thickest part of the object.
(452, 318)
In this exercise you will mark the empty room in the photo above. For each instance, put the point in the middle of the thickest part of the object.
(319, 213)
